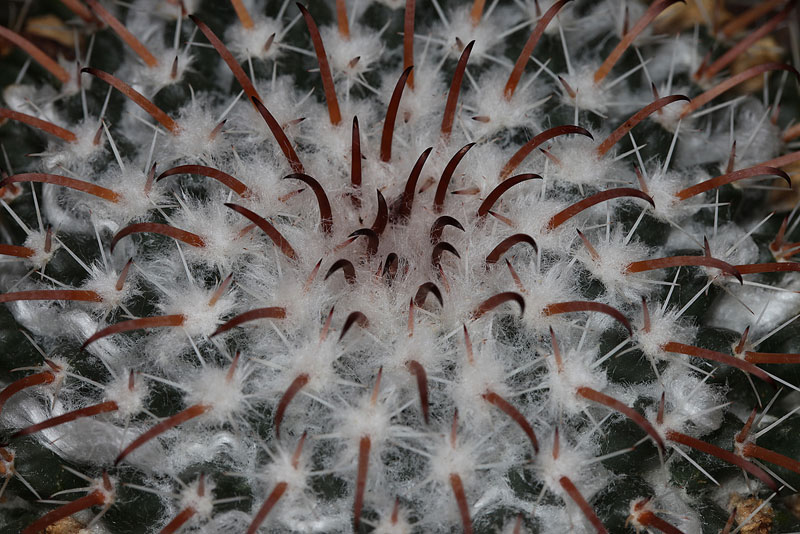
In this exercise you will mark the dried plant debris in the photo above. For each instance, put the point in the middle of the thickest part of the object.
(751, 514)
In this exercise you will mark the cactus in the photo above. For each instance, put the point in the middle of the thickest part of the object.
(396, 266)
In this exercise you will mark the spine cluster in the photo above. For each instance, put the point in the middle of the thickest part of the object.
(393, 267)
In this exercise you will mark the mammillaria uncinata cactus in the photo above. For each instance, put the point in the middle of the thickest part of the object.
(399, 266)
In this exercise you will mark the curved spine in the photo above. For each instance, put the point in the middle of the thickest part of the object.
(523, 152)
(527, 50)
(325, 213)
(135, 324)
(637, 117)
(455, 89)
(503, 247)
(45, 126)
(136, 97)
(63, 181)
(222, 177)
(501, 188)
(566, 214)
(589, 306)
(266, 227)
(158, 228)
(270, 312)
(391, 115)
(37, 54)
(447, 175)
(324, 67)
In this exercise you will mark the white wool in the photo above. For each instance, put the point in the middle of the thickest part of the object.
(367, 419)
(559, 518)
(150, 80)
(79, 153)
(314, 360)
(194, 140)
(166, 10)
(567, 464)
(37, 241)
(262, 41)
(420, 108)
(588, 94)
(662, 188)
(678, 55)
(473, 382)
(65, 216)
(261, 175)
(219, 227)
(771, 308)
(460, 28)
(285, 102)
(17, 97)
(202, 504)
(107, 487)
(757, 139)
(223, 395)
(669, 117)
(600, 20)
(542, 290)
(702, 147)
(610, 267)
(422, 347)
(447, 459)
(84, 440)
(475, 172)
(134, 204)
(353, 56)
(686, 518)
(579, 163)
(205, 445)
(130, 401)
(688, 400)
(201, 317)
(105, 284)
(665, 326)
(563, 384)
(534, 222)
(389, 526)
(572, 464)
(731, 244)
(489, 101)
(283, 470)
